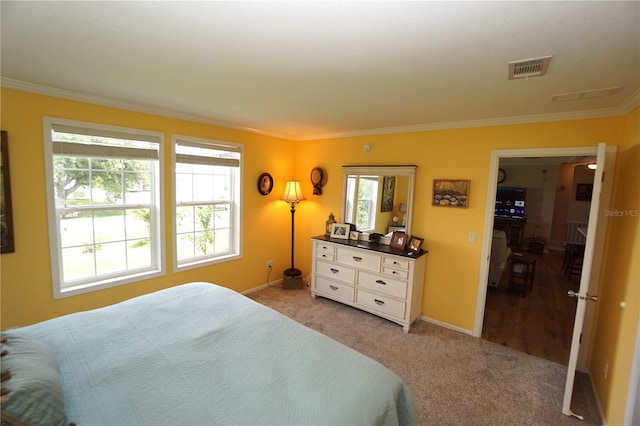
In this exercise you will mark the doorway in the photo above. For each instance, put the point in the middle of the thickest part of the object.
(536, 213)
(512, 155)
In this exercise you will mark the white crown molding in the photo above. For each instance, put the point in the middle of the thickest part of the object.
(629, 105)
(129, 106)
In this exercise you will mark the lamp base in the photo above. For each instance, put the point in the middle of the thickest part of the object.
(292, 272)
(293, 284)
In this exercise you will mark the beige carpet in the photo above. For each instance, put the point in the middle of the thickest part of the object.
(455, 379)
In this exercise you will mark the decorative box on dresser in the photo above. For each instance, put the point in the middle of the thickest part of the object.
(373, 277)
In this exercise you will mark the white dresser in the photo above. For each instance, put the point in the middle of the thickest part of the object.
(375, 278)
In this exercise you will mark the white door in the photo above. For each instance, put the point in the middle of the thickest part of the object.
(585, 278)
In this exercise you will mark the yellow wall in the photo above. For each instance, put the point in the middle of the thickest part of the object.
(26, 294)
(453, 264)
(616, 327)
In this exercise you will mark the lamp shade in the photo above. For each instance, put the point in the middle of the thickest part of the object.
(292, 192)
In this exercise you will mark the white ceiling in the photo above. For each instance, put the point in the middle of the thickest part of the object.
(313, 69)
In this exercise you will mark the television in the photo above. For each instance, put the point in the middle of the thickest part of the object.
(510, 203)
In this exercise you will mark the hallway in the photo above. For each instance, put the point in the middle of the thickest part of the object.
(540, 324)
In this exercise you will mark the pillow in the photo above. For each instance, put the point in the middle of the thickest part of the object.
(31, 383)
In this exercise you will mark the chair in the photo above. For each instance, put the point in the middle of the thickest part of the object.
(500, 254)
(572, 261)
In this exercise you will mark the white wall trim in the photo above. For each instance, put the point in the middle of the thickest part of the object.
(595, 395)
(276, 283)
(446, 325)
(625, 108)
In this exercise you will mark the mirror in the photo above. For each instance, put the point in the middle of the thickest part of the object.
(378, 198)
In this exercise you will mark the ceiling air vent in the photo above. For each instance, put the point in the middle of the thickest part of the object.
(529, 68)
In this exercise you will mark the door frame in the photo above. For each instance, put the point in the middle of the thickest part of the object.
(496, 155)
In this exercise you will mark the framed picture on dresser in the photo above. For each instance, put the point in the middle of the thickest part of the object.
(398, 240)
(340, 230)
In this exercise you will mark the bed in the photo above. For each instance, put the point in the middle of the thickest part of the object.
(195, 354)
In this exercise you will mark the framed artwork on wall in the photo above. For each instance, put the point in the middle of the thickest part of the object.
(265, 184)
(584, 191)
(388, 190)
(451, 193)
(6, 214)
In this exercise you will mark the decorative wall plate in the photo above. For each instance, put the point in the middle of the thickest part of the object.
(317, 180)
(265, 184)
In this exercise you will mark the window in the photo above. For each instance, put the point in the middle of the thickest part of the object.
(104, 192)
(361, 206)
(207, 201)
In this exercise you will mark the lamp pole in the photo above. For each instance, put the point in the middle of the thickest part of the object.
(292, 272)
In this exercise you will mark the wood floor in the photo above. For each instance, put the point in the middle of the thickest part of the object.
(541, 323)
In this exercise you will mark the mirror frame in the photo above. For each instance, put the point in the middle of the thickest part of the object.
(382, 170)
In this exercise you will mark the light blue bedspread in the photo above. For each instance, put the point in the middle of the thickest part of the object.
(203, 354)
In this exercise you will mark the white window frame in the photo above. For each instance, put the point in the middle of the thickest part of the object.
(157, 269)
(235, 251)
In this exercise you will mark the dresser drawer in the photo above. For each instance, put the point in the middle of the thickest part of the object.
(324, 255)
(359, 258)
(325, 248)
(382, 284)
(333, 289)
(397, 273)
(381, 304)
(395, 262)
(335, 271)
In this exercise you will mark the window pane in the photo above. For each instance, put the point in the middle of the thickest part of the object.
(109, 225)
(184, 219)
(139, 253)
(138, 224)
(184, 186)
(206, 181)
(202, 187)
(185, 248)
(78, 263)
(90, 173)
(222, 241)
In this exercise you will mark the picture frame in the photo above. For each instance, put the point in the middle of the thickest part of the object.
(7, 243)
(584, 191)
(265, 184)
(398, 240)
(340, 230)
(451, 193)
(388, 192)
(415, 244)
(354, 235)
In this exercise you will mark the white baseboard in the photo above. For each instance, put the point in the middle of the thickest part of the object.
(276, 283)
(595, 394)
(446, 325)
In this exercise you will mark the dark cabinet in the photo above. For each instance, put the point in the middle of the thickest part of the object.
(514, 230)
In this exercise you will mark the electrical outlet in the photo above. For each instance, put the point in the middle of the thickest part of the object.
(269, 264)
(605, 368)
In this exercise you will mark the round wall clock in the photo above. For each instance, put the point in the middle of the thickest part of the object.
(317, 178)
(502, 175)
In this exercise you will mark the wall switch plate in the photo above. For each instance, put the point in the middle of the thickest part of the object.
(472, 237)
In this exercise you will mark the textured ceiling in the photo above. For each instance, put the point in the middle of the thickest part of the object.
(314, 69)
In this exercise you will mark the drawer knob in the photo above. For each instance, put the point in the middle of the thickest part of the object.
(334, 270)
(379, 302)
(357, 258)
(381, 282)
(333, 287)
(395, 263)
(324, 255)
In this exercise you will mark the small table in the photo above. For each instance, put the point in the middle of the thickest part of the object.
(526, 268)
